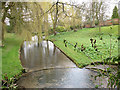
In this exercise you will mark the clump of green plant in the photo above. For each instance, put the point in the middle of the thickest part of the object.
(90, 51)
(10, 83)
(113, 78)
(58, 29)
(112, 73)
(71, 27)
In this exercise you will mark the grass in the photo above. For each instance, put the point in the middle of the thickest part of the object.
(10, 55)
(83, 37)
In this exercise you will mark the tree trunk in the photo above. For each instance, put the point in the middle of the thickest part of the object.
(93, 22)
(3, 23)
(93, 13)
(99, 25)
(56, 17)
(54, 28)
(99, 28)
(2, 35)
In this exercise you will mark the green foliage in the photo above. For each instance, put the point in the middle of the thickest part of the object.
(9, 29)
(10, 55)
(113, 78)
(75, 27)
(96, 22)
(115, 13)
(58, 29)
(83, 37)
(96, 86)
(71, 27)
(10, 83)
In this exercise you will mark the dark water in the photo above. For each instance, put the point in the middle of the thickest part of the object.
(50, 68)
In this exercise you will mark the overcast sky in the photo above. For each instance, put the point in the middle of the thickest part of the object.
(111, 4)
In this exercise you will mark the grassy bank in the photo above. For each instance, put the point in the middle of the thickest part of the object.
(83, 37)
(10, 56)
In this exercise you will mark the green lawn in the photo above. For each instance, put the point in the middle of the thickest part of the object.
(11, 64)
(83, 37)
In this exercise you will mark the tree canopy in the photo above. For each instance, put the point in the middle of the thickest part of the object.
(115, 13)
(26, 18)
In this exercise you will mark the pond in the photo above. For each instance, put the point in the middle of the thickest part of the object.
(48, 67)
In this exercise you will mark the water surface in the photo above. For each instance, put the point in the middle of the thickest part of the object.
(49, 68)
(42, 56)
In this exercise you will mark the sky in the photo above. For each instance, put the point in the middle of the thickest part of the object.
(111, 3)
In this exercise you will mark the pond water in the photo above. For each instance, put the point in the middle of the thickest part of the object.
(48, 67)
(43, 56)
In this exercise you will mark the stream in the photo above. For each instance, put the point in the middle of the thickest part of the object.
(48, 67)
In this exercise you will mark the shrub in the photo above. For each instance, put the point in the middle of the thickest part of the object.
(50, 31)
(96, 22)
(9, 29)
(71, 27)
(77, 26)
(58, 29)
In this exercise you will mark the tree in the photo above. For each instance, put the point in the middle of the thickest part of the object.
(25, 18)
(115, 13)
(10, 10)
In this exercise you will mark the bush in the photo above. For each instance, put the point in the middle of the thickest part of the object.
(50, 31)
(71, 27)
(76, 27)
(9, 29)
(96, 22)
(58, 29)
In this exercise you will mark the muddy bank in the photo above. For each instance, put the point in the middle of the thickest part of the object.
(101, 67)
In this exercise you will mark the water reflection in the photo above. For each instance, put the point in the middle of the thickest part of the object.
(59, 71)
(58, 78)
(46, 55)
